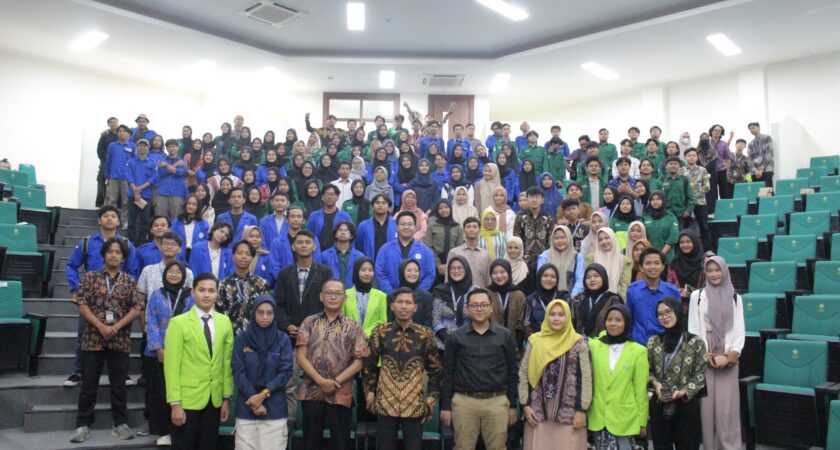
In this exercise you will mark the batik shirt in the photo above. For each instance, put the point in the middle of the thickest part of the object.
(761, 153)
(101, 293)
(535, 233)
(236, 298)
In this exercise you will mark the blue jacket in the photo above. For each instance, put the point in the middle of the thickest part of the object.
(200, 260)
(440, 178)
(315, 223)
(172, 184)
(280, 253)
(387, 265)
(149, 253)
(156, 156)
(275, 370)
(451, 144)
(139, 173)
(330, 258)
(564, 148)
(574, 278)
(641, 301)
(201, 232)
(260, 174)
(424, 145)
(263, 270)
(158, 313)
(116, 161)
(246, 219)
(95, 262)
(366, 236)
(268, 226)
(147, 136)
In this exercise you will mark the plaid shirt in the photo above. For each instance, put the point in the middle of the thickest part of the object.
(120, 299)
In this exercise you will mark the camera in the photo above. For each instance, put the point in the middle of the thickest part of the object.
(669, 408)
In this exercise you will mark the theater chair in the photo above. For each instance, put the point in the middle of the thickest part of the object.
(24, 262)
(21, 335)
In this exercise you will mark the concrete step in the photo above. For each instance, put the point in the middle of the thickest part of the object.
(18, 438)
(76, 221)
(62, 363)
(62, 416)
(60, 288)
(64, 231)
(57, 342)
(50, 306)
(19, 392)
(72, 213)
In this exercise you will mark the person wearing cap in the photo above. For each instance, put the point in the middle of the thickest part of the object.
(534, 152)
(141, 175)
(325, 132)
(116, 166)
(105, 139)
(679, 195)
(171, 183)
(555, 161)
(142, 131)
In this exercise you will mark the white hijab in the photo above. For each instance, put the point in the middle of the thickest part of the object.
(612, 260)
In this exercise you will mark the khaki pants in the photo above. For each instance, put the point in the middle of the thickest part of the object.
(168, 205)
(117, 194)
(487, 417)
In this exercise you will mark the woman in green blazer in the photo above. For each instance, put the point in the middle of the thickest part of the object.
(364, 304)
(619, 408)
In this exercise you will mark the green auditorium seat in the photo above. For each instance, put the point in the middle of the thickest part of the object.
(737, 251)
(22, 334)
(827, 278)
(780, 205)
(24, 261)
(835, 247)
(792, 186)
(813, 174)
(778, 279)
(831, 163)
(830, 183)
(727, 211)
(813, 222)
(759, 226)
(797, 248)
(29, 170)
(832, 440)
(8, 212)
(759, 314)
(14, 178)
(787, 405)
(748, 191)
(34, 210)
(823, 201)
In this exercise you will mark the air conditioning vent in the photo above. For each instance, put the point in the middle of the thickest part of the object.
(441, 80)
(271, 13)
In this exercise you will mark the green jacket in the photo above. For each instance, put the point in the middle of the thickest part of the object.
(536, 154)
(555, 164)
(639, 150)
(663, 231)
(377, 309)
(586, 193)
(656, 159)
(353, 209)
(497, 146)
(607, 153)
(619, 401)
(679, 196)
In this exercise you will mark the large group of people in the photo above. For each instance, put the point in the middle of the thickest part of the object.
(527, 292)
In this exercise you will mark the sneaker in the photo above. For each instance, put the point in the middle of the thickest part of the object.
(129, 381)
(143, 430)
(164, 440)
(122, 431)
(73, 381)
(80, 435)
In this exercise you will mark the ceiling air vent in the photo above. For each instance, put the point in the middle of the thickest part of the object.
(438, 80)
(271, 13)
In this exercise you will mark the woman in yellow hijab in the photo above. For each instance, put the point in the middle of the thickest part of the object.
(555, 383)
(491, 239)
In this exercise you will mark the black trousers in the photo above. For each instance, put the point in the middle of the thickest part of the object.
(315, 415)
(387, 428)
(158, 412)
(723, 185)
(701, 216)
(139, 221)
(92, 365)
(100, 185)
(766, 177)
(712, 194)
(200, 431)
(681, 432)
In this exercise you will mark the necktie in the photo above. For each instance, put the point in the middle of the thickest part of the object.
(207, 335)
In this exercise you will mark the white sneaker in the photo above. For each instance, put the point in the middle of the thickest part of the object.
(80, 435)
(164, 440)
(130, 382)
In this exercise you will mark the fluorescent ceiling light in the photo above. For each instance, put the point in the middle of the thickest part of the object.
(599, 71)
(88, 41)
(386, 79)
(355, 16)
(499, 82)
(506, 9)
(723, 44)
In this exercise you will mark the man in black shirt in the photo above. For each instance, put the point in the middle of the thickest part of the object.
(479, 378)
(105, 139)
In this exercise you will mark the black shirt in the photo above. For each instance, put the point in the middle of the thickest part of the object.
(405, 249)
(380, 233)
(476, 362)
(326, 238)
(235, 218)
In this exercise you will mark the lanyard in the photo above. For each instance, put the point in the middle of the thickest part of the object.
(455, 300)
(173, 308)
(108, 284)
(505, 302)
(596, 300)
(669, 357)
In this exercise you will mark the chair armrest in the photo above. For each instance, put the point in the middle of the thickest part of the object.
(39, 329)
(752, 379)
(49, 260)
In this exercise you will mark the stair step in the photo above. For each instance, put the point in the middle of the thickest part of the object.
(76, 221)
(58, 342)
(61, 251)
(62, 363)
(64, 231)
(60, 289)
(63, 417)
(18, 438)
(18, 392)
(49, 306)
(67, 213)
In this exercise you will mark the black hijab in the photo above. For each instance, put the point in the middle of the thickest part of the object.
(627, 335)
(176, 293)
(272, 186)
(527, 179)
(448, 224)
(473, 175)
(688, 266)
(671, 336)
(656, 213)
(459, 160)
(644, 198)
(209, 169)
(326, 174)
(406, 175)
(594, 300)
(269, 144)
(277, 163)
(611, 206)
(220, 199)
(311, 203)
(290, 143)
(249, 164)
(622, 216)
(242, 142)
(453, 183)
(403, 281)
(547, 295)
(255, 208)
(507, 287)
(362, 203)
(263, 341)
(460, 288)
(357, 282)
(219, 164)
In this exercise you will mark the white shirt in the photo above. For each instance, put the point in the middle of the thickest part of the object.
(188, 232)
(215, 260)
(345, 191)
(210, 323)
(615, 353)
(697, 321)
(634, 168)
(279, 222)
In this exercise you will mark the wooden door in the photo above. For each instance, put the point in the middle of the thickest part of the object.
(462, 112)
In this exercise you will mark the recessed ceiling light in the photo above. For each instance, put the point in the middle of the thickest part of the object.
(723, 44)
(386, 79)
(355, 16)
(599, 71)
(88, 41)
(506, 9)
(499, 82)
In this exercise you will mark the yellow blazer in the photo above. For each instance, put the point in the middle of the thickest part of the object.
(619, 400)
(192, 376)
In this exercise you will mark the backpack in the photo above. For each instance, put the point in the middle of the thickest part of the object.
(85, 248)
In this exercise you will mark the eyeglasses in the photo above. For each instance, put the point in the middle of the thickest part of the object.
(169, 244)
(665, 313)
(479, 306)
(456, 269)
(333, 294)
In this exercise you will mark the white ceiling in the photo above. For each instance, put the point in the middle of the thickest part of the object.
(656, 50)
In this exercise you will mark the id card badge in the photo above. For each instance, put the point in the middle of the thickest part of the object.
(109, 317)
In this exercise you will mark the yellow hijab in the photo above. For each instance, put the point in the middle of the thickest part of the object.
(548, 344)
(488, 235)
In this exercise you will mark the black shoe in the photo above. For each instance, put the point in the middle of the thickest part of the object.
(73, 380)
(141, 381)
